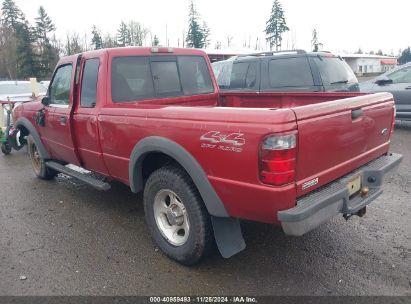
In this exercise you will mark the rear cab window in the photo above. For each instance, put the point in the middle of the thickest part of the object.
(137, 78)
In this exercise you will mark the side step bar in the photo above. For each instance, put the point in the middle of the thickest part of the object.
(98, 184)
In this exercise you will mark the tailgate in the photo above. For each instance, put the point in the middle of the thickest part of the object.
(338, 136)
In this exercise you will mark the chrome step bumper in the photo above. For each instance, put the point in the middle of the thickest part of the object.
(332, 199)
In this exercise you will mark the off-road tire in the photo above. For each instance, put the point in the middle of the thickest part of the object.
(37, 162)
(200, 241)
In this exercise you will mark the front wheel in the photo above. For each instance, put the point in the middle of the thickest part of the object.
(6, 148)
(37, 162)
(176, 215)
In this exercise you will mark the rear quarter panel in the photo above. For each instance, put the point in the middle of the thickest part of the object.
(234, 174)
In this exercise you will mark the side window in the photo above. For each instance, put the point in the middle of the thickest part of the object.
(243, 75)
(195, 77)
(89, 83)
(222, 72)
(250, 78)
(401, 76)
(61, 86)
(290, 72)
(166, 78)
(131, 79)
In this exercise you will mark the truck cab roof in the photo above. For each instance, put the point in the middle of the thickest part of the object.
(141, 51)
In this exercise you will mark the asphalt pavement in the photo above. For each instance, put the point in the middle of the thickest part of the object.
(64, 238)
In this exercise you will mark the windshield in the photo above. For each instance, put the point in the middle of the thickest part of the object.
(19, 88)
(334, 71)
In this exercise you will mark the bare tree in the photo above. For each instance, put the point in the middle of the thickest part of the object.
(73, 45)
(293, 40)
(109, 41)
(137, 32)
(229, 40)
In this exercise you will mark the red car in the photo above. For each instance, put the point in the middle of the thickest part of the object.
(154, 119)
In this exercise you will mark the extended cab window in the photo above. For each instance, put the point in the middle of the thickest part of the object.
(89, 83)
(131, 79)
(139, 78)
(290, 72)
(61, 85)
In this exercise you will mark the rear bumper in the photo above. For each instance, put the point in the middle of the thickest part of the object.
(322, 204)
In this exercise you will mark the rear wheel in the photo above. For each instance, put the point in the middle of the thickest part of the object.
(37, 162)
(176, 215)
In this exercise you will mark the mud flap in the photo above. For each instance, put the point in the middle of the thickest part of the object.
(228, 235)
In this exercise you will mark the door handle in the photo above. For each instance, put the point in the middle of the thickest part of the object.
(63, 120)
(356, 113)
(408, 88)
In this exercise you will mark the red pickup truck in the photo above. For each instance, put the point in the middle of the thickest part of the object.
(153, 118)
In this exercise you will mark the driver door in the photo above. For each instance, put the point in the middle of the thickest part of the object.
(61, 100)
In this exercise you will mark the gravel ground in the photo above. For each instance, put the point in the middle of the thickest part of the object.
(63, 238)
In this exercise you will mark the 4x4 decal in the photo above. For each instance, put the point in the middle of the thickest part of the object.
(225, 142)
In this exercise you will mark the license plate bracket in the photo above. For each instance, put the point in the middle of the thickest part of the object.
(354, 185)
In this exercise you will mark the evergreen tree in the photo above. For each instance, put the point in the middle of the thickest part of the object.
(123, 35)
(47, 55)
(96, 39)
(156, 41)
(379, 52)
(12, 15)
(44, 25)
(26, 58)
(276, 26)
(359, 51)
(195, 35)
(405, 56)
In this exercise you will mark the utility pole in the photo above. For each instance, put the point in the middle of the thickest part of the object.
(166, 35)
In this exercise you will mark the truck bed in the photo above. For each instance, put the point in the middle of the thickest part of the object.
(330, 142)
(273, 100)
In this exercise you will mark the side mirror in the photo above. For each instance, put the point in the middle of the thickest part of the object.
(383, 81)
(45, 101)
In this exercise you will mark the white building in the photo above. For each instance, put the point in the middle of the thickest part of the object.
(363, 64)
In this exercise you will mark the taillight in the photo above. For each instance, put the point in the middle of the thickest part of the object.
(278, 159)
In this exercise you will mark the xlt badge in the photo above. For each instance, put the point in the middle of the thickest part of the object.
(310, 183)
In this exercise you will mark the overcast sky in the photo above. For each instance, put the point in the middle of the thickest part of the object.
(344, 25)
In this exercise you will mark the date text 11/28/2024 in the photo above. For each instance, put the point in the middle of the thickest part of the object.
(203, 299)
